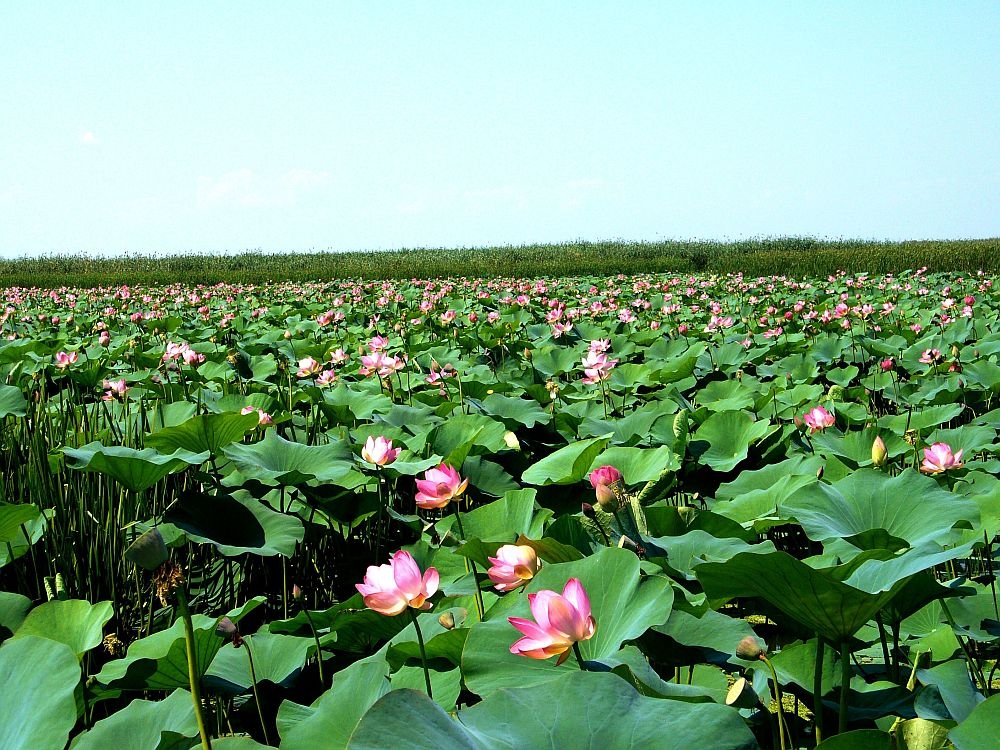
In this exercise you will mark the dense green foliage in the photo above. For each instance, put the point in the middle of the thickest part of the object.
(792, 256)
(743, 487)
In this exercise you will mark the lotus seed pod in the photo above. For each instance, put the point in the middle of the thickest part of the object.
(148, 551)
(741, 695)
(750, 648)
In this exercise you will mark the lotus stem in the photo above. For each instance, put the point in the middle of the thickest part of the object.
(782, 729)
(882, 639)
(845, 685)
(319, 650)
(253, 684)
(579, 656)
(423, 652)
(192, 660)
(480, 609)
(818, 689)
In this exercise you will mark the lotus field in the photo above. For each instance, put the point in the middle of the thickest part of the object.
(600, 512)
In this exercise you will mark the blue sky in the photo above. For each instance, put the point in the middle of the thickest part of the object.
(179, 127)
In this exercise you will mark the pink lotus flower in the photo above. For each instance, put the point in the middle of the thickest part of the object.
(513, 567)
(263, 418)
(938, 458)
(65, 359)
(379, 451)
(818, 418)
(327, 377)
(389, 589)
(114, 390)
(308, 367)
(439, 486)
(602, 479)
(560, 621)
(930, 356)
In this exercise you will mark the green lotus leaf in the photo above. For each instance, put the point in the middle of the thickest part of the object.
(859, 739)
(333, 718)
(12, 401)
(724, 439)
(235, 524)
(38, 682)
(638, 464)
(955, 687)
(144, 724)
(13, 609)
(623, 603)
(276, 658)
(585, 711)
(15, 522)
(921, 420)
(980, 729)
(518, 411)
(278, 461)
(568, 465)
(134, 469)
(812, 599)
(159, 661)
(909, 508)
(204, 432)
(75, 622)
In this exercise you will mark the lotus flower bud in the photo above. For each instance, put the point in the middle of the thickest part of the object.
(148, 551)
(879, 451)
(511, 441)
(750, 648)
(297, 594)
(588, 510)
(447, 620)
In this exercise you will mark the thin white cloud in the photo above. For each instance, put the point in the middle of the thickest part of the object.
(244, 187)
(89, 138)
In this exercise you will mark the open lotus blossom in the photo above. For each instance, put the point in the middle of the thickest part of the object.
(818, 418)
(938, 458)
(114, 390)
(513, 567)
(65, 359)
(379, 451)
(263, 418)
(603, 480)
(560, 621)
(439, 487)
(597, 367)
(308, 367)
(930, 356)
(390, 588)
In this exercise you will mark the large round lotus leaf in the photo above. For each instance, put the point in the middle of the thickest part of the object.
(921, 419)
(143, 724)
(276, 658)
(15, 521)
(859, 739)
(13, 609)
(279, 461)
(909, 508)
(814, 600)
(12, 401)
(235, 524)
(75, 622)
(159, 661)
(638, 464)
(568, 465)
(330, 721)
(624, 605)
(134, 469)
(38, 681)
(581, 710)
(980, 730)
(204, 432)
(724, 439)
(519, 410)
(955, 686)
